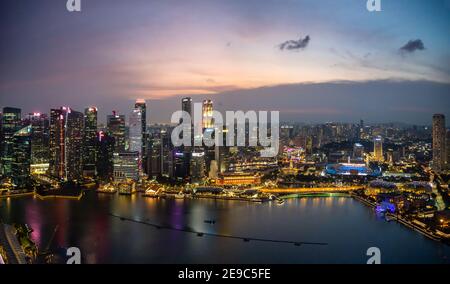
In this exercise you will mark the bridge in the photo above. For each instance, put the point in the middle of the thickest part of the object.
(342, 189)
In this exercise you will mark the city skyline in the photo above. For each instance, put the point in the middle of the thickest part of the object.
(304, 64)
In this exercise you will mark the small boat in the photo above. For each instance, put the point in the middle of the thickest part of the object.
(210, 221)
(280, 202)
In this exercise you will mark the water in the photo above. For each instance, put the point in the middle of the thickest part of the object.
(348, 227)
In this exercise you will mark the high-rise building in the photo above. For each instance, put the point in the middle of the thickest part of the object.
(21, 162)
(186, 106)
(57, 142)
(116, 128)
(154, 154)
(105, 150)
(439, 147)
(180, 163)
(90, 142)
(378, 149)
(358, 151)
(11, 122)
(197, 166)
(135, 131)
(39, 138)
(126, 166)
(207, 114)
(74, 145)
(66, 143)
(140, 105)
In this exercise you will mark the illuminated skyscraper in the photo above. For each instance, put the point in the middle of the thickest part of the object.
(74, 145)
(358, 151)
(90, 142)
(207, 114)
(186, 106)
(11, 120)
(105, 150)
(21, 162)
(378, 149)
(116, 129)
(197, 166)
(66, 143)
(135, 131)
(39, 138)
(126, 166)
(439, 147)
(57, 142)
(140, 105)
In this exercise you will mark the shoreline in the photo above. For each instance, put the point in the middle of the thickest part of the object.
(403, 221)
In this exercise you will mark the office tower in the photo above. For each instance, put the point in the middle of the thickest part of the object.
(154, 154)
(439, 151)
(358, 151)
(39, 139)
(11, 121)
(180, 163)
(116, 128)
(140, 105)
(197, 166)
(57, 142)
(378, 149)
(105, 150)
(135, 131)
(126, 166)
(74, 145)
(186, 106)
(166, 155)
(90, 142)
(207, 114)
(66, 143)
(21, 162)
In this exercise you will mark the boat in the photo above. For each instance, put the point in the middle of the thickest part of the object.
(280, 201)
(210, 221)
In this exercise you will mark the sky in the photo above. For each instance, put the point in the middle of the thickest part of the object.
(313, 60)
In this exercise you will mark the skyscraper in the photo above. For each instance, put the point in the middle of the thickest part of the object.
(197, 166)
(378, 148)
(105, 150)
(57, 142)
(66, 143)
(90, 142)
(11, 120)
(74, 145)
(141, 106)
(186, 106)
(39, 138)
(207, 114)
(21, 162)
(439, 147)
(126, 166)
(116, 129)
(135, 131)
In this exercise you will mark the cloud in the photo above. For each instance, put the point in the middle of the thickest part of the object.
(412, 46)
(302, 43)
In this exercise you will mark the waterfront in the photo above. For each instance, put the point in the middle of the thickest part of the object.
(348, 227)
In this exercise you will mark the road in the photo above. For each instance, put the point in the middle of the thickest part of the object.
(311, 189)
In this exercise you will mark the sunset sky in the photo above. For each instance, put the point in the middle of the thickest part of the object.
(115, 51)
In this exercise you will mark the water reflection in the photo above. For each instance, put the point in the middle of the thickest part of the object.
(348, 226)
